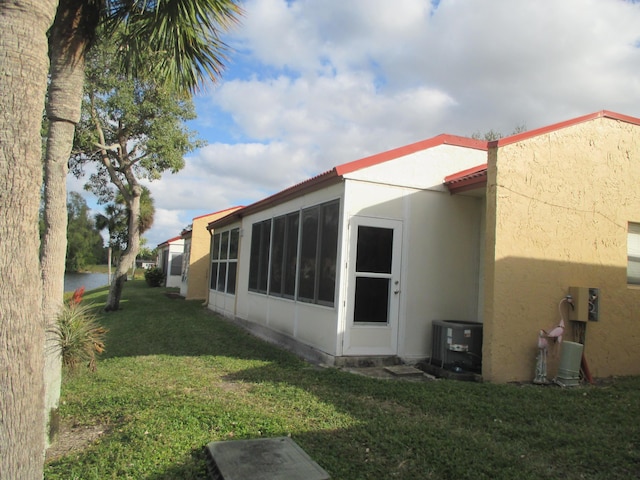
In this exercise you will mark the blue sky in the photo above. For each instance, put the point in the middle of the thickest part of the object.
(312, 84)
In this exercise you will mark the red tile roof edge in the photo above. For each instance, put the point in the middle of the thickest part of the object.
(442, 139)
(166, 242)
(314, 183)
(567, 123)
(335, 174)
(469, 172)
(468, 179)
(219, 211)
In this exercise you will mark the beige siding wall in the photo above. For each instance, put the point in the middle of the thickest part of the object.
(558, 206)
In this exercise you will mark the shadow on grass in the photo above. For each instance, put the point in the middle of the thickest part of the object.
(192, 467)
(365, 428)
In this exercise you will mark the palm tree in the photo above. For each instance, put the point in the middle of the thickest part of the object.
(185, 37)
(23, 83)
(71, 33)
(114, 222)
(116, 219)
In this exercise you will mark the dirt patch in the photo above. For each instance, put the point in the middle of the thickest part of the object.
(74, 438)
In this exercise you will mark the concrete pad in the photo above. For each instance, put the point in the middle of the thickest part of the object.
(278, 458)
(404, 370)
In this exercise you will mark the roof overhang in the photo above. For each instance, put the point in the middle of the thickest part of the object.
(336, 174)
(166, 243)
(470, 179)
(323, 180)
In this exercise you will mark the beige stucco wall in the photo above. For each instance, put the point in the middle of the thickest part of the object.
(558, 206)
(198, 275)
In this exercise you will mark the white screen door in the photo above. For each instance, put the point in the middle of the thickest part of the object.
(374, 286)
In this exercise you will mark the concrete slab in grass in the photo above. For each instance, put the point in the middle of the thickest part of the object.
(278, 458)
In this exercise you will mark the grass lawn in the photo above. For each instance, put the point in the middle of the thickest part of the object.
(176, 377)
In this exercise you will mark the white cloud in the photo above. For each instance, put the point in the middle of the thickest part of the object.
(316, 84)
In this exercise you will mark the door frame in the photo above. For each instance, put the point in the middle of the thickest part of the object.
(373, 338)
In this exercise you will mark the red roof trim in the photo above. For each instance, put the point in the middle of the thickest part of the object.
(469, 179)
(458, 176)
(312, 184)
(335, 175)
(567, 123)
(166, 242)
(218, 212)
(442, 139)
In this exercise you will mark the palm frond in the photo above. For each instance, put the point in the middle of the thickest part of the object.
(175, 41)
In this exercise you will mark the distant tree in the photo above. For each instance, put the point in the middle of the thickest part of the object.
(84, 243)
(147, 253)
(115, 220)
(492, 135)
(131, 129)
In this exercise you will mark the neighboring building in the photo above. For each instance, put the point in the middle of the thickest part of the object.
(196, 266)
(361, 260)
(146, 264)
(170, 255)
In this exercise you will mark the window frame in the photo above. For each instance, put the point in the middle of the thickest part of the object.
(259, 256)
(633, 253)
(222, 263)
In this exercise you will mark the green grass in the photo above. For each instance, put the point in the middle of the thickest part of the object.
(176, 377)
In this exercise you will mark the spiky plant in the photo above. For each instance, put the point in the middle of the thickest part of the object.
(80, 336)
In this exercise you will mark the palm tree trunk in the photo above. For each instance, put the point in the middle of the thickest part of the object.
(53, 252)
(24, 66)
(67, 44)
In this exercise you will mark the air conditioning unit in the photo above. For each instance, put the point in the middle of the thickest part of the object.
(457, 345)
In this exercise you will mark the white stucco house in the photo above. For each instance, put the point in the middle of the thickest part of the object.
(170, 258)
(360, 260)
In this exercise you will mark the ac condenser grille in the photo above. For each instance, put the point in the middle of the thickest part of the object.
(457, 344)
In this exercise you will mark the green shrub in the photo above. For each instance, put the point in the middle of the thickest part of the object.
(80, 337)
(154, 277)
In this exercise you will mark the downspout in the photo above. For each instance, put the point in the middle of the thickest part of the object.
(206, 300)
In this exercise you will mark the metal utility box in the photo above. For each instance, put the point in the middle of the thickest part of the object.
(457, 345)
(585, 304)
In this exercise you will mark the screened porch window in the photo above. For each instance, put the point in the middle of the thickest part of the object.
(224, 261)
(284, 253)
(259, 262)
(176, 264)
(297, 254)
